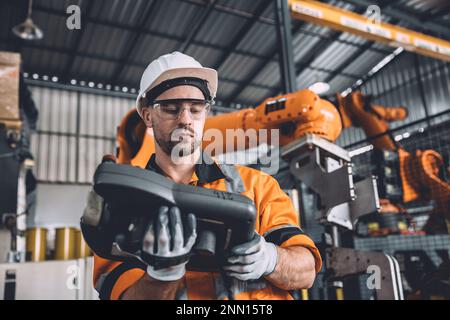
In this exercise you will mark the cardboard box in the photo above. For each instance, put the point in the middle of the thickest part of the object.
(9, 86)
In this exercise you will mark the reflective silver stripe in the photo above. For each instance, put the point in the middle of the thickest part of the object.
(237, 286)
(233, 179)
(181, 293)
(281, 227)
(100, 281)
(235, 184)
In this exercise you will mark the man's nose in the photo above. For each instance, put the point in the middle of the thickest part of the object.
(185, 116)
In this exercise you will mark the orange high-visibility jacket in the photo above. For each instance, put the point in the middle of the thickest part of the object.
(276, 220)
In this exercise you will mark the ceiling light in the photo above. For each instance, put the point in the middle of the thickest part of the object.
(27, 30)
(319, 87)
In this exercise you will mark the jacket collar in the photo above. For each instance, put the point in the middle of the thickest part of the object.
(205, 172)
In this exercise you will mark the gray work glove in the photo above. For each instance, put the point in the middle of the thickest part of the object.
(165, 238)
(252, 260)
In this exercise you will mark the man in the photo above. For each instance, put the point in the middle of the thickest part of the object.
(175, 95)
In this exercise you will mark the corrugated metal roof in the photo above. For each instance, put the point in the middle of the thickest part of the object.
(309, 77)
(238, 66)
(91, 69)
(364, 62)
(302, 44)
(120, 37)
(206, 56)
(119, 11)
(44, 61)
(221, 28)
(245, 6)
(57, 24)
(425, 6)
(334, 55)
(225, 89)
(103, 39)
(253, 95)
(150, 47)
(269, 75)
(260, 39)
(340, 83)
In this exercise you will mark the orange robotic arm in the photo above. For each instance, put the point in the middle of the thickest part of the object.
(356, 110)
(420, 179)
(293, 114)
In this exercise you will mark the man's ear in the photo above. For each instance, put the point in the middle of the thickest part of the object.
(147, 117)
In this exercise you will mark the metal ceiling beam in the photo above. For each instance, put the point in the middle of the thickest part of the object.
(242, 33)
(321, 47)
(78, 38)
(133, 85)
(414, 21)
(439, 15)
(309, 58)
(36, 45)
(233, 11)
(196, 25)
(286, 52)
(384, 4)
(129, 48)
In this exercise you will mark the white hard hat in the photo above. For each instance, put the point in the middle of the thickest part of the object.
(171, 66)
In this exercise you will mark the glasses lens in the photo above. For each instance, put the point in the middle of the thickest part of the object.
(172, 109)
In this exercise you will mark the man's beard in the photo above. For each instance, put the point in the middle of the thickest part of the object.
(173, 144)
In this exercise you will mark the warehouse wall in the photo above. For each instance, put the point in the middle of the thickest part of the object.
(75, 129)
(419, 83)
(59, 205)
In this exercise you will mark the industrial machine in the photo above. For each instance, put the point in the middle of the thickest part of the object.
(19, 279)
(14, 161)
(404, 176)
(307, 127)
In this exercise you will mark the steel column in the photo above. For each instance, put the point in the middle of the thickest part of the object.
(285, 53)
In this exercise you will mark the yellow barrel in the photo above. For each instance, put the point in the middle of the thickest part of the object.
(82, 250)
(65, 243)
(36, 239)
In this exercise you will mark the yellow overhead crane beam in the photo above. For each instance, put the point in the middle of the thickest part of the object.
(370, 28)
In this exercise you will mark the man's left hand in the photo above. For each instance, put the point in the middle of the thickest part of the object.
(252, 260)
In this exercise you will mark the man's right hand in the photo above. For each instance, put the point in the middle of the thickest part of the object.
(165, 238)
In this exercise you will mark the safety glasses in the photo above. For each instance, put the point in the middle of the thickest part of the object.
(171, 109)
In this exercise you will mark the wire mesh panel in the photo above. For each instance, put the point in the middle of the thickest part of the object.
(421, 85)
(418, 174)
